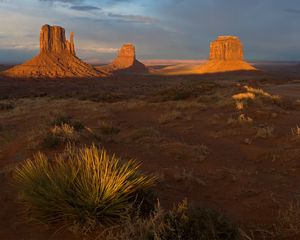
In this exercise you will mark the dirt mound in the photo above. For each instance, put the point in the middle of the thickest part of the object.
(57, 58)
(125, 62)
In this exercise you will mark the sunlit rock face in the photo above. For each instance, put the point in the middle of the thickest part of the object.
(53, 40)
(226, 54)
(226, 48)
(126, 56)
(57, 58)
(125, 62)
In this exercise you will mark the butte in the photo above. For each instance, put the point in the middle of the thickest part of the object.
(226, 55)
(125, 62)
(56, 59)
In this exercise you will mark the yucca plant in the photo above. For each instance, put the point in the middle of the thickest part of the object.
(85, 186)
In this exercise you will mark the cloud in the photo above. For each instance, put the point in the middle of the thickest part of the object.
(100, 50)
(133, 18)
(64, 1)
(84, 8)
(293, 11)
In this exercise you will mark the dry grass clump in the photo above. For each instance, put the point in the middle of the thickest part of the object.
(254, 94)
(180, 92)
(244, 96)
(105, 132)
(288, 221)
(257, 91)
(66, 119)
(180, 223)
(58, 135)
(183, 105)
(184, 151)
(144, 135)
(241, 99)
(186, 91)
(65, 132)
(296, 131)
(265, 132)
(6, 106)
(260, 93)
(80, 186)
(168, 117)
(240, 120)
(107, 128)
(63, 129)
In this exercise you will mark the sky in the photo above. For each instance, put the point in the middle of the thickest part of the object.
(160, 29)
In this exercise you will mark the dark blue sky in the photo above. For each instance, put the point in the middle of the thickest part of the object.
(160, 29)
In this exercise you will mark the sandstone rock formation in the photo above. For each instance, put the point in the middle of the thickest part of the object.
(57, 58)
(226, 54)
(125, 62)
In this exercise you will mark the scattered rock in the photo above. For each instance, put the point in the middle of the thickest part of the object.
(57, 58)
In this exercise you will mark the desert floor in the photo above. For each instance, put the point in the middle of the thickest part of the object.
(238, 157)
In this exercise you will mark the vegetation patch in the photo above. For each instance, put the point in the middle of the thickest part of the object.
(80, 186)
(144, 134)
(107, 128)
(66, 119)
(169, 116)
(6, 106)
(180, 223)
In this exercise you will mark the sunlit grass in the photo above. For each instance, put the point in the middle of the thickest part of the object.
(85, 186)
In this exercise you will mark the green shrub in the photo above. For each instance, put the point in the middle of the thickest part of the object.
(85, 187)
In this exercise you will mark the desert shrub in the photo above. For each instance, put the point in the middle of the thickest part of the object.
(136, 227)
(184, 223)
(241, 119)
(296, 131)
(184, 105)
(58, 135)
(177, 93)
(61, 119)
(107, 128)
(242, 99)
(144, 134)
(51, 141)
(6, 106)
(244, 96)
(169, 116)
(180, 223)
(288, 221)
(66, 119)
(106, 97)
(80, 186)
(265, 132)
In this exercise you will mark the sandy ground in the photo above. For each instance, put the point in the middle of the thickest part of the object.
(188, 130)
